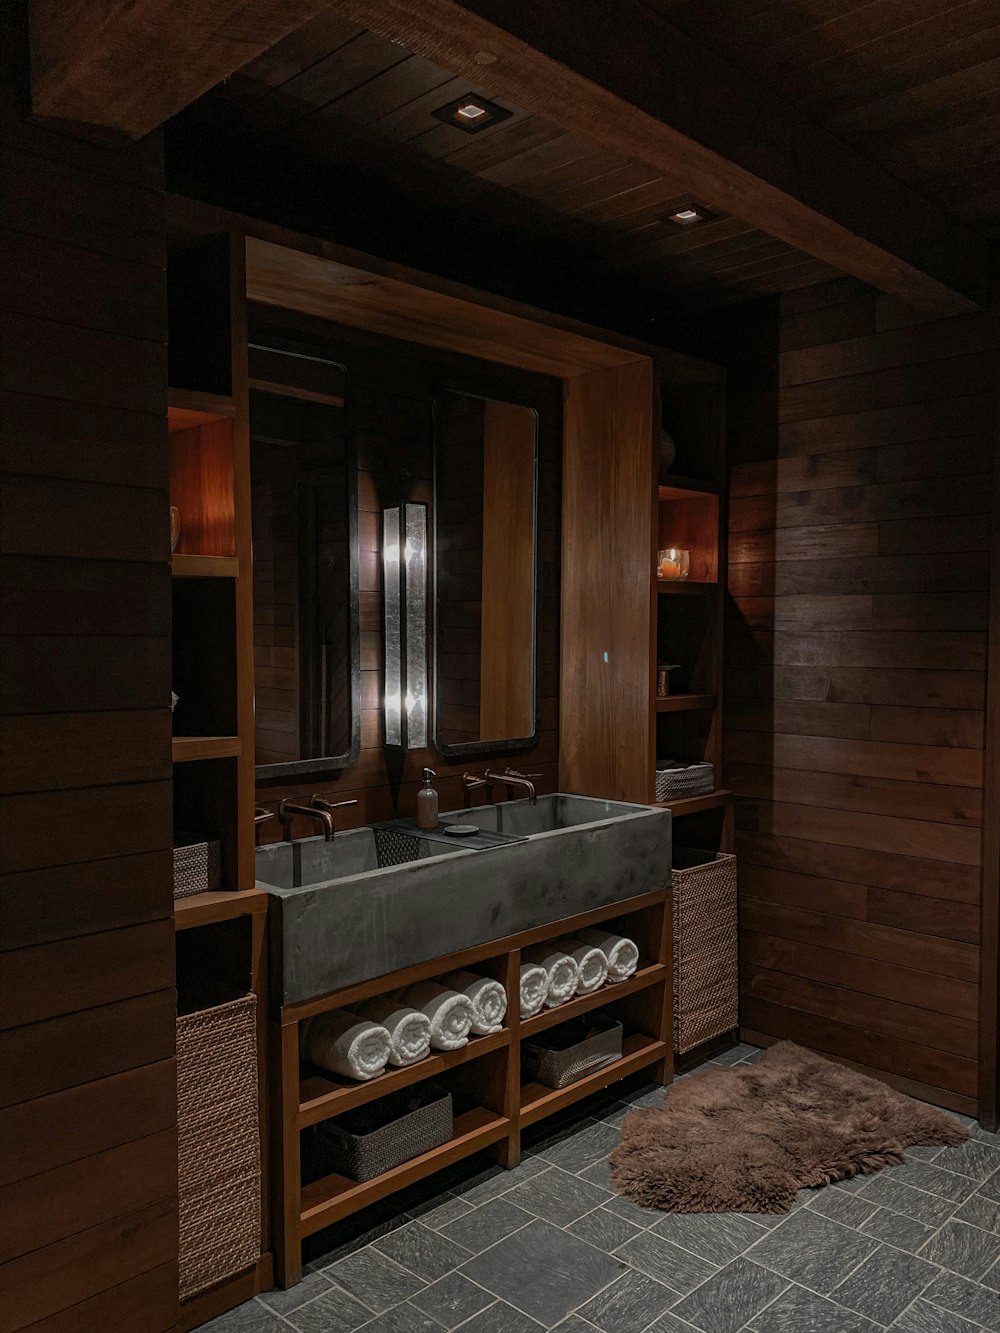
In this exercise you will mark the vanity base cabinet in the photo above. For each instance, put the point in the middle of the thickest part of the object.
(494, 1098)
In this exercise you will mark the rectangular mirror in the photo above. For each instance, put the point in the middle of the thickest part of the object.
(303, 479)
(485, 503)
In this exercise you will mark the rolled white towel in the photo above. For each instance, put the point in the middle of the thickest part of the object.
(345, 1044)
(409, 1030)
(489, 1000)
(621, 952)
(561, 970)
(451, 1013)
(592, 964)
(534, 989)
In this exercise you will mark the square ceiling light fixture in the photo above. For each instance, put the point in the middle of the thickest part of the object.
(471, 113)
(688, 214)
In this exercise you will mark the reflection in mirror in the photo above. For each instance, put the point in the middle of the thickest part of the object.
(306, 643)
(485, 469)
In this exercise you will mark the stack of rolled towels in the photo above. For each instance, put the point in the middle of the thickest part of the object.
(404, 1027)
(553, 973)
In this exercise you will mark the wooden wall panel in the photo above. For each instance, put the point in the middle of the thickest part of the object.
(88, 1163)
(863, 444)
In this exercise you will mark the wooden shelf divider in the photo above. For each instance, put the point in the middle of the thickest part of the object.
(205, 566)
(186, 749)
(692, 805)
(538, 1101)
(686, 703)
(646, 975)
(204, 909)
(187, 408)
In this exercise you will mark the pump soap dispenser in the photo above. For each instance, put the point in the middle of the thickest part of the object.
(427, 802)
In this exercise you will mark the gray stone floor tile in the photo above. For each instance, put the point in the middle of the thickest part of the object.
(558, 1196)
(842, 1207)
(930, 1209)
(970, 1300)
(333, 1312)
(717, 1237)
(575, 1152)
(735, 1054)
(374, 1279)
(813, 1251)
(599, 1174)
(574, 1324)
(669, 1323)
(247, 1318)
(423, 1251)
(501, 1318)
(799, 1311)
(665, 1262)
(404, 1318)
(975, 1158)
(437, 1213)
(283, 1302)
(922, 1153)
(485, 1225)
(604, 1228)
(885, 1284)
(650, 1094)
(991, 1279)
(543, 1271)
(853, 1184)
(934, 1179)
(631, 1303)
(903, 1232)
(981, 1211)
(962, 1248)
(991, 1187)
(615, 1114)
(452, 1299)
(731, 1298)
(640, 1217)
(496, 1180)
(922, 1317)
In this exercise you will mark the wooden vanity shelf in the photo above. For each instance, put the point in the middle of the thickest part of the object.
(686, 703)
(488, 1069)
(204, 909)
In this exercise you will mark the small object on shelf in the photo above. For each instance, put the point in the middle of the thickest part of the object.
(668, 451)
(175, 528)
(371, 1140)
(565, 1053)
(427, 802)
(462, 830)
(197, 865)
(706, 957)
(663, 678)
(174, 700)
(344, 1044)
(673, 563)
(677, 779)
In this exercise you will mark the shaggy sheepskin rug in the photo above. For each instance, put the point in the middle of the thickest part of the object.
(746, 1140)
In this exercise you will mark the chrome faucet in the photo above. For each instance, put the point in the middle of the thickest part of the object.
(512, 778)
(288, 810)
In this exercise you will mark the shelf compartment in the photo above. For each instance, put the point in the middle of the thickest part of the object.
(686, 703)
(671, 587)
(689, 520)
(186, 408)
(322, 1095)
(682, 488)
(646, 975)
(691, 805)
(203, 909)
(205, 566)
(538, 1101)
(189, 748)
(333, 1197)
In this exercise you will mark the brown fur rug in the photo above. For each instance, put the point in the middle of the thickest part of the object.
(746, 1140)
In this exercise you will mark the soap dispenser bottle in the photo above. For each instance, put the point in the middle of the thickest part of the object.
(427, 802)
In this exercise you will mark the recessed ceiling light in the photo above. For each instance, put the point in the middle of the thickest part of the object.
(471, 113)
(688, 214)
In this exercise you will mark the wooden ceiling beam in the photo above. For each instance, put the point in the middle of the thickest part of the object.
(129, 65)
(620, 75)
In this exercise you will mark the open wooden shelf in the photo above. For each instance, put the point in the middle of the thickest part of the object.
(692, 805)
(686, 703)
(333, 1197)
(323, 1095)
(205, 566)
(293, 391)
(187, 408)
(679, 488)
(189, 748)
(203, 909)
(682, 586)
(638, 1051)
(647, 974)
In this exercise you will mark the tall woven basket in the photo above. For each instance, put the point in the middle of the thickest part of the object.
(706, 959)
(218, 1144)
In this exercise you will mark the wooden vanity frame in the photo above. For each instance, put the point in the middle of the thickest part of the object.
(303, 1099)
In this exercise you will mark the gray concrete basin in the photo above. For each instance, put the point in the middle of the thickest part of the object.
(367, 904)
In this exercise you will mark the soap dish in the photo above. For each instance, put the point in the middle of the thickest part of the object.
(462, 830)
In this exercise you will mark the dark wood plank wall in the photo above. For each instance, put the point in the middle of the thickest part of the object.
(862, 450)
(390, 388)
(88, 1161)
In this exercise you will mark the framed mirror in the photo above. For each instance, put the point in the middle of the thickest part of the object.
(303, 482)
(485, 581)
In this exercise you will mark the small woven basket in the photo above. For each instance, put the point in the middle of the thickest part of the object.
(675, 780)
(197, 865)
(366, 1143)
(566, 1053)
(218, 1144)
(706, 958)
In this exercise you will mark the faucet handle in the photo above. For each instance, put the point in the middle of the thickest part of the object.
(319, 802)
(261, 815)
(516, 773)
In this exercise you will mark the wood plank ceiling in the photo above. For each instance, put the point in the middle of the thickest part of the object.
(912, 83)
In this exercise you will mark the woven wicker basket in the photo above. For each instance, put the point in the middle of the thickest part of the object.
(366, 1143)
(218, 1143)
(197, 865)
(675, 780)
(706, 960)
(573, 1049)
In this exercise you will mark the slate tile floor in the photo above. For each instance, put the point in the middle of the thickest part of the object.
(914, 1249)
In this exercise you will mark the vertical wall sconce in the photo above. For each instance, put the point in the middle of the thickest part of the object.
(404, 561)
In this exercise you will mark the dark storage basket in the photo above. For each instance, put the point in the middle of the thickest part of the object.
(676, 780)
(218, 1144)
(706, 959)
(564, 1054)
(366, 1143)
(197, 865)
